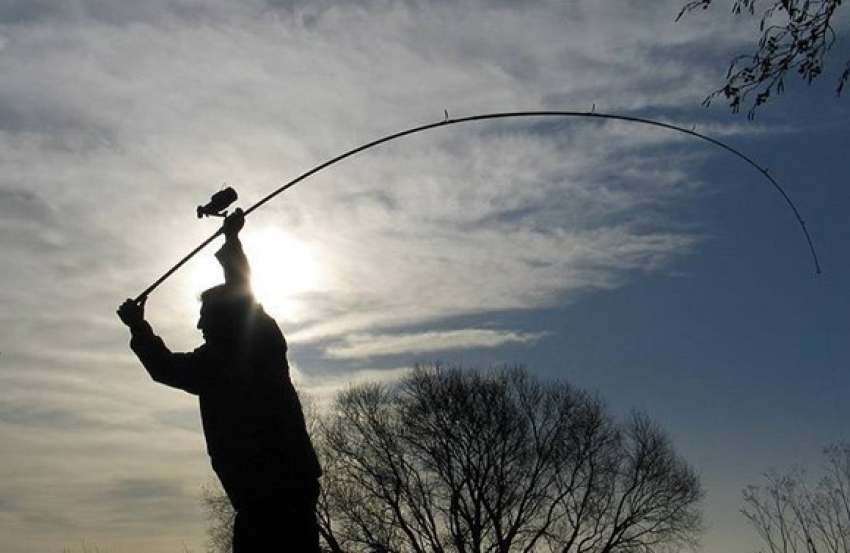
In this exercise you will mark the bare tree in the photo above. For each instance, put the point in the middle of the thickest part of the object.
(467, 461)
(796, 36)
(220, 518)
(791, 516)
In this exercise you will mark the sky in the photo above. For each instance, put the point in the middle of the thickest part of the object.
(648, 266)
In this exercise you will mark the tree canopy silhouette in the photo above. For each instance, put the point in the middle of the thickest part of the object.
(796, 37)
(469, 461)
(789, 514)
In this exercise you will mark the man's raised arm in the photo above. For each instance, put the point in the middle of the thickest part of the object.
(231, 256)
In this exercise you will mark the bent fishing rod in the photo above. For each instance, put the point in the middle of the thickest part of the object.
(221, 200)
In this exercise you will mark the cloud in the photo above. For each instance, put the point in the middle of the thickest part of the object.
(148, 502)
(318, 391)
(483, 271)
(371, 345)
(42, 416)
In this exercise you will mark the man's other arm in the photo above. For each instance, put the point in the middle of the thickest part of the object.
(178, 370)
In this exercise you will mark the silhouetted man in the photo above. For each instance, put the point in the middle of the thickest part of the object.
(253, 423)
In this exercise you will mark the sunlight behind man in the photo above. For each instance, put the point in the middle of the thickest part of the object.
(283, 269)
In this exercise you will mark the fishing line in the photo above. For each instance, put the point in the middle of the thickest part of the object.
(503, 115)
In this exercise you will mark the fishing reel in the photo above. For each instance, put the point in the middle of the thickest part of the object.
(218, 204)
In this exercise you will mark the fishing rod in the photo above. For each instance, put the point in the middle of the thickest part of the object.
(214, 208)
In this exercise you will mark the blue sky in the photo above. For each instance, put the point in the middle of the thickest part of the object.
(653, 268)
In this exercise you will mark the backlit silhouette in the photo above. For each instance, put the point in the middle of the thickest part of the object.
(252, 419)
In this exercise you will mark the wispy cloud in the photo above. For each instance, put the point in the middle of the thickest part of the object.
(318, 391)
(372, 345)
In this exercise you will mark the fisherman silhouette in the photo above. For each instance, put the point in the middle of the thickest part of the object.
(253, 423)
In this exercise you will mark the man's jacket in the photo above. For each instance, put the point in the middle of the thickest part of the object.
(253, 422)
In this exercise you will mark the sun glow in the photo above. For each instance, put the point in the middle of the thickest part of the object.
(283, 270)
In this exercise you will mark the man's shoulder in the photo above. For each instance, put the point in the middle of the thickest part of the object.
(269, 324)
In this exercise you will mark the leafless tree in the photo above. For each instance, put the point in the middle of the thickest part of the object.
(220, 517)
(796, 36)
(791, 516)
(469, 461)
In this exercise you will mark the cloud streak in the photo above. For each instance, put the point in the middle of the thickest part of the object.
(372, 345)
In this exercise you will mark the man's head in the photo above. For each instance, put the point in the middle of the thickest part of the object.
(225, 311)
